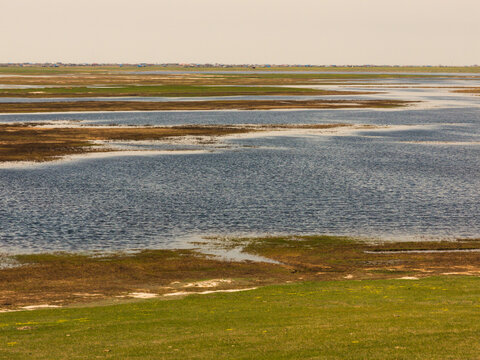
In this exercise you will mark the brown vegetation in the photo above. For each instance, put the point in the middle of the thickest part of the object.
(196, 105)
(171, 91)
(37, 143)
(475, 91)
(70, 278)
(161, 79)
(31, 142)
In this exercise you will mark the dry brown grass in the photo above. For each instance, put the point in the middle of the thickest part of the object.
(333, 257)
(196, 105)
(33, 142)
(36, 143)
(475, 91)
(71, 278)
(62, 279)
(162, 79)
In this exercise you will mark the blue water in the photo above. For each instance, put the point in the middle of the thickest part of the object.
(418, 179)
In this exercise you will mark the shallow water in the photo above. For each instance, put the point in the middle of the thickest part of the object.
(418, 179)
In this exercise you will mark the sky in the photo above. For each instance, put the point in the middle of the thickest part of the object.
(407, 32)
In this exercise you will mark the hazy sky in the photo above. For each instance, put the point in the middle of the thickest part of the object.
(242, 31)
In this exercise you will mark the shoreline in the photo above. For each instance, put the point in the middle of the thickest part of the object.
(207, 139)
(34, 142)
(64, 278)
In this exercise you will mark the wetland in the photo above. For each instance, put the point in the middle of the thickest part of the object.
(258, 162)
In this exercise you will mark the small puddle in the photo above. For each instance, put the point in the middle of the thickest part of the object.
(234, 254)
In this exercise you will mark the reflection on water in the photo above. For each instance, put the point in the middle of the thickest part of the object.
(390, 184)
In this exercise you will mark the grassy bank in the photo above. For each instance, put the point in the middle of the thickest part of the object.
(327, 298)
(37, 143)
(69, 106)
(63, 279)
(165, 91)
(34, 142)
(434, 318)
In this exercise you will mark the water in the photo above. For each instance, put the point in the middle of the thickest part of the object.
(421, 178)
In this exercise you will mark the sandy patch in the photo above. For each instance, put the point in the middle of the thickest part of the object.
(86, 294)
(461, 273)
(42, 306)
(208, 283)
(184, 293)
(142, 295)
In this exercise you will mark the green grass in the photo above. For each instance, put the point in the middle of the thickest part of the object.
(432, 318)
(161, 90)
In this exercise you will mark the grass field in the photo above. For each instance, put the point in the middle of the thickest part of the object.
(432, 318)
(166, 90)
(196, 79)
(73, 81)
(327, 298)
